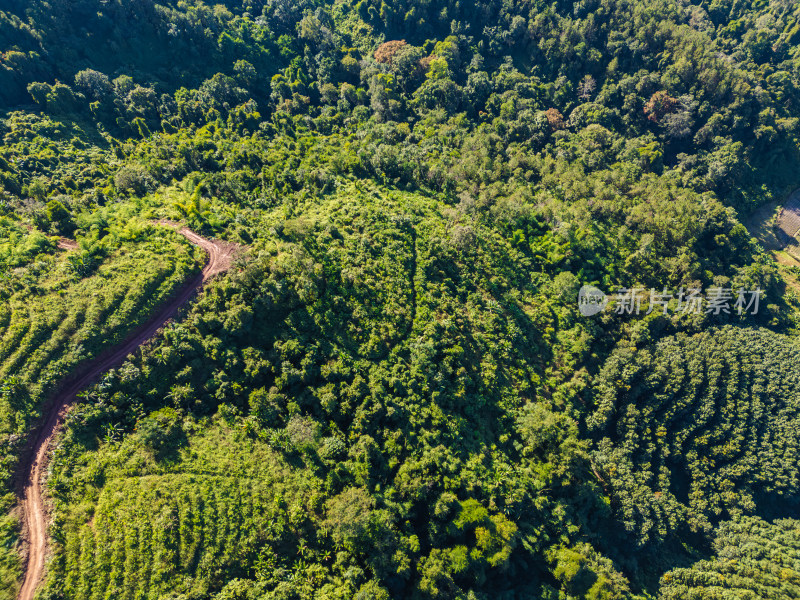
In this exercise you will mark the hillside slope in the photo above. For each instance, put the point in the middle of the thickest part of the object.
(394, 393)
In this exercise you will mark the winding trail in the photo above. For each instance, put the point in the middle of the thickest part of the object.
(220, 256)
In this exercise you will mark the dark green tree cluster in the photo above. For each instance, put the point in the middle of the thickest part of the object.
(397, 365)
(752, 559)
(392, 394)
(697, 429)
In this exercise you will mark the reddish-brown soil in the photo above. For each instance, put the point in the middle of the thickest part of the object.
(35, 518)
(67, 244)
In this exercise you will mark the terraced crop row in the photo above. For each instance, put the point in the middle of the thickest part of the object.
(44, 336)
(698, 427)
(132, 525)
(146, 533)
(753, 559)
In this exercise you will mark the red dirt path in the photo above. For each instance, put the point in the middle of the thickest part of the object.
(220, 255)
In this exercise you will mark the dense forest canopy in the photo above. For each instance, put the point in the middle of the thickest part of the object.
(392, 393)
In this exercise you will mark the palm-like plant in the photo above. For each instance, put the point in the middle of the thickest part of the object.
(195, 211)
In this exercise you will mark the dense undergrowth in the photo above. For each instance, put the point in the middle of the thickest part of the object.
(393, 395)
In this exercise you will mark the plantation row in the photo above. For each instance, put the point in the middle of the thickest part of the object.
(148, 533)
(45, 336)
(753, 559)
(154, 529)
(61, 308)
(698, 428)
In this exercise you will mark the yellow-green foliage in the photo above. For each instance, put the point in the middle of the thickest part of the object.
(424, 187)
(62, 307)
(150, 528)
(52, 318)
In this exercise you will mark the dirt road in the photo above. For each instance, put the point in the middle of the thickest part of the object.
(35, 518)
